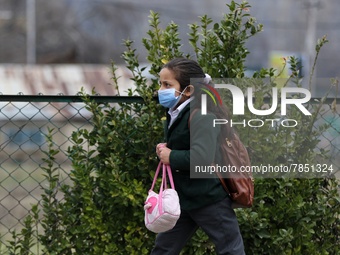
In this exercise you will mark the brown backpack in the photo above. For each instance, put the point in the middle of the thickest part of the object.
(239, 185)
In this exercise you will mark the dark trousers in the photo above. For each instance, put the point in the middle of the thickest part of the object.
(218, 221)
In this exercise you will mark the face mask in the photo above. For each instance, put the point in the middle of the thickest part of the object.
(167, 97)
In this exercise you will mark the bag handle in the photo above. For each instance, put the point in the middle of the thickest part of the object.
(160, 194)
(171, 180)
(156, 175)
(166, 171)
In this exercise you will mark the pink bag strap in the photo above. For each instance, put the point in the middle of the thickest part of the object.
(172, 184)
(166, 171)
(156, 175)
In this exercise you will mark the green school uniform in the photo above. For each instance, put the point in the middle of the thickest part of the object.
(201, 146)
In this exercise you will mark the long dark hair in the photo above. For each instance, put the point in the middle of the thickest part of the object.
(188, 72)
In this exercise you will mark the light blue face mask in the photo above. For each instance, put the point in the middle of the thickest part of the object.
(167, 97)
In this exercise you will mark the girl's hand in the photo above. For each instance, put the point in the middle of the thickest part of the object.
(163, 153)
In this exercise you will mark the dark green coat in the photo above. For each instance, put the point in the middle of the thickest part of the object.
(201, 146)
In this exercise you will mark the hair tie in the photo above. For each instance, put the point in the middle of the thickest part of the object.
(207, 79)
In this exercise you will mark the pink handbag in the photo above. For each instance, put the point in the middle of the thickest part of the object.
(162, 210)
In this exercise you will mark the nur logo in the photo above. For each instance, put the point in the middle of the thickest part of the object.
(239, 99)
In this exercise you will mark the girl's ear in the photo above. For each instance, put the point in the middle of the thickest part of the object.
(189, 91)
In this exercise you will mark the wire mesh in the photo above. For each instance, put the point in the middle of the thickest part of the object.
(23, 130)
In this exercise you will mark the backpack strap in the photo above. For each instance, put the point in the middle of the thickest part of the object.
(191, 116)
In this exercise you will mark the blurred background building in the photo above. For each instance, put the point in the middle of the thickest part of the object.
(92, 31)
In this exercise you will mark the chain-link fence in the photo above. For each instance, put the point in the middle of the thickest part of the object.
(24, 122)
